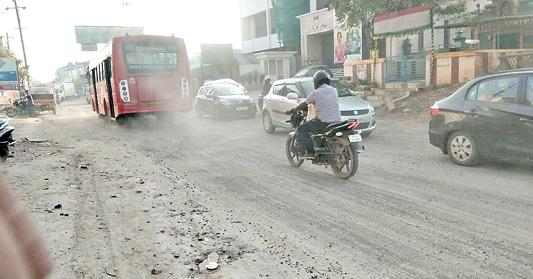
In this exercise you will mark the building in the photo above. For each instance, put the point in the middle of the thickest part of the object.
(71, 79)
(271, 33)
(488, 36)
(317, 35)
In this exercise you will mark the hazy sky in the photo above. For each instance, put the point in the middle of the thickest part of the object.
(49, 25)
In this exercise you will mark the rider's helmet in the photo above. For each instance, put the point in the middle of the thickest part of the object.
(320, 78)
(267, 80)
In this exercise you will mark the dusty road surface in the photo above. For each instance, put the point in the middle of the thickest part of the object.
(152, 201)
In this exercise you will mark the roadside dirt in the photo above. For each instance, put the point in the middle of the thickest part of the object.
(416, 107)
(154, 200)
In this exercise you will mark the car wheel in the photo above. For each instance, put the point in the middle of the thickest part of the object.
(267, 123)
(462, 149)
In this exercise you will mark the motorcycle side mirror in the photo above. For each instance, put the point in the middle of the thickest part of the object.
(292, 96)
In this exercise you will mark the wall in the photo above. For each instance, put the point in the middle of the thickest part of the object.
(261, 44)
(311, 25)
(462, 66)
(367, 70)
(251, 7)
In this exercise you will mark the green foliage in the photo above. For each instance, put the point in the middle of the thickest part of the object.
(351, 11)
(6, 53)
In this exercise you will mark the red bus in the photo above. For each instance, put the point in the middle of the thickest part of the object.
(140, 74)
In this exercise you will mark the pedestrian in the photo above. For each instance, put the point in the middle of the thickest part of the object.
(22, 252)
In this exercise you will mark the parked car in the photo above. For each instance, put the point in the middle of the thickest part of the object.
(222, 99)
(311, 70)
(276, 103)
(489, 117)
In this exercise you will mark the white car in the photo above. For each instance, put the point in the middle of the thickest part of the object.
(279, 100)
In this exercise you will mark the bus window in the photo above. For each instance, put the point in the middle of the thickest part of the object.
(151, 57)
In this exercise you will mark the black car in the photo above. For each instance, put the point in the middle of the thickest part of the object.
(223, 99)
(489, 117)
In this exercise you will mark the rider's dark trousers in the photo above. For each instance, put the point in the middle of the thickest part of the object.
(304, 132)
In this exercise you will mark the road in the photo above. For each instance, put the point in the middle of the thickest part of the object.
(151, 201)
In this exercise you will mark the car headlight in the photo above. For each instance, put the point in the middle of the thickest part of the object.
(224, 102)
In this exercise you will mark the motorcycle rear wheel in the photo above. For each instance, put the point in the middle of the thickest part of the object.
(11, 112)
(344, 166)
(292, 154)
(34, 113)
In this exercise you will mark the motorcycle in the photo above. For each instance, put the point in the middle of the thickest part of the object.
(338, 146)
(6, 138)
(20, 107)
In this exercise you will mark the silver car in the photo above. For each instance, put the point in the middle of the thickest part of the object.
(279, 100)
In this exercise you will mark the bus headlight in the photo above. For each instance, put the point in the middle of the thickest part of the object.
(124, 91)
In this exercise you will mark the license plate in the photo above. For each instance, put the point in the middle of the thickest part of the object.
(242, 108)
(355, 138)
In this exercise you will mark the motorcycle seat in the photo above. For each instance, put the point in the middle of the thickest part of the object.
(334, 125)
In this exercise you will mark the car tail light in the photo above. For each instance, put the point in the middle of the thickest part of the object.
(434, 110)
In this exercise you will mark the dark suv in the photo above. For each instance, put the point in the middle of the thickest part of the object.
(489, 117)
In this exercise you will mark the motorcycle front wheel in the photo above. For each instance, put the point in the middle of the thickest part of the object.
(11, 112)
(292, 153)
(344, 165)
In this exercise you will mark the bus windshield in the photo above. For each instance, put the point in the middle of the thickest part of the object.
(151, 57)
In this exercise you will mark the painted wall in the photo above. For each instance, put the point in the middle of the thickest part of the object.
(460, 67)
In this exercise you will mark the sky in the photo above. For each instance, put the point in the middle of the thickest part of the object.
(48, 26)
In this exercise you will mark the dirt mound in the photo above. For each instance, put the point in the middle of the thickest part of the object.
(418, 104)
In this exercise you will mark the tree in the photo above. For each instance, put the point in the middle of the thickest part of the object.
(352, 11)
(6, 53)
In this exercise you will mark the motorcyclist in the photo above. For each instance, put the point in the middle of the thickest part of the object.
(326, 101)
(28, 100)
(266, 86)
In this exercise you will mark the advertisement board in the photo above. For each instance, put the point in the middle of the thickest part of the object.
(347, 43)
(90, 36)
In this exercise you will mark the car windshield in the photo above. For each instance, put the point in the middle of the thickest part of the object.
(171, 143)
(228, 90)
(342, 91)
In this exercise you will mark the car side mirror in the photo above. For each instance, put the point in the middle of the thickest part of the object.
(292, 96)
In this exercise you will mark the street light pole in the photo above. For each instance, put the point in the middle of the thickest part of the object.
(21, 37)
(16, 8)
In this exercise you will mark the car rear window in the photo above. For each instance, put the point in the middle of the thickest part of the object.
(502, 90)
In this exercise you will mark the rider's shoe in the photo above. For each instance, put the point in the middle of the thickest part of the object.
(309, 156)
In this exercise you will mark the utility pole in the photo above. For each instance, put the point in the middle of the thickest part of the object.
(16, 8)
(7, 41)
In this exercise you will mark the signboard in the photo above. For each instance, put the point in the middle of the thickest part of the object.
(89, 47)
(403, 21)
(318, 22)
(90, 36)
(348, 43)
(8, 70)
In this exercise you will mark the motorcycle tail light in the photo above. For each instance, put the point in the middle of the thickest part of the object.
(354, 125)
